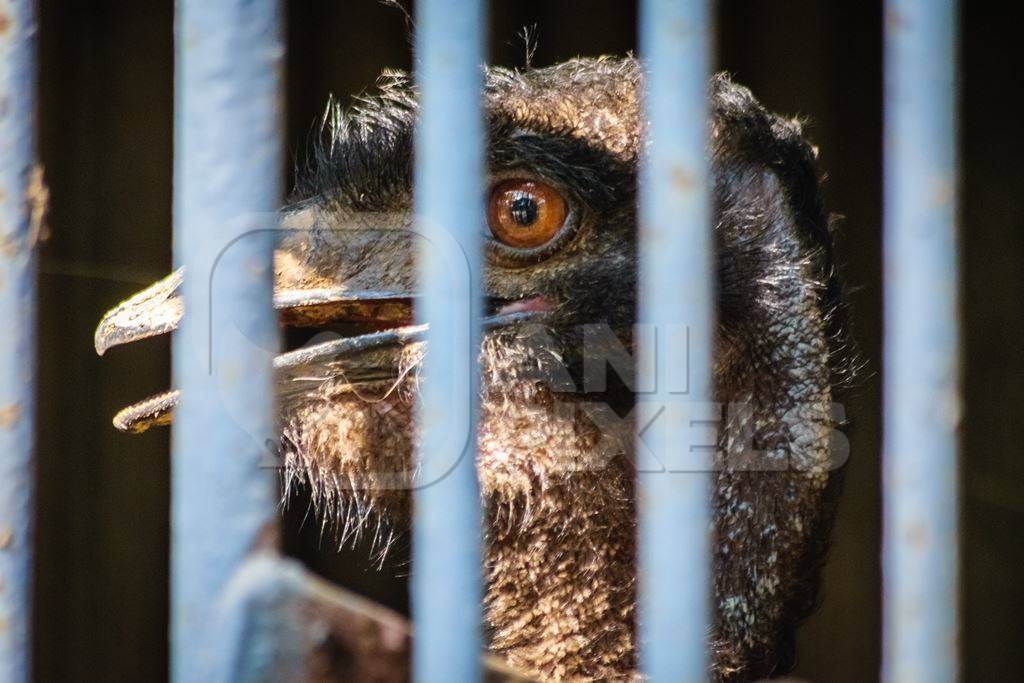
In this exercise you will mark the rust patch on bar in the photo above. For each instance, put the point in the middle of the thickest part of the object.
(38, 197)
(9, 415)
(8, 246)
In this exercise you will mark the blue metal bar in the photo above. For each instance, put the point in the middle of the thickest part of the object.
(449, 196)
(227, 189)
(21, 198)
(921, 392)
(676, 298)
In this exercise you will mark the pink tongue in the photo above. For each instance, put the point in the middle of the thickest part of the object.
(537, 304)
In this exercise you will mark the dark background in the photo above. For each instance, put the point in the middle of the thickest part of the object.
(106, 144)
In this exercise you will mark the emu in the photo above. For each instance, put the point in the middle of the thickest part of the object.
(564, 144)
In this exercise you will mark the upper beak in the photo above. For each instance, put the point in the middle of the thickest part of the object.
(158, 309)
(153, 311)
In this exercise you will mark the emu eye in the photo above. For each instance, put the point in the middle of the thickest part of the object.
(525, 214)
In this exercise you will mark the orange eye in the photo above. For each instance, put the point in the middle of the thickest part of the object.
(524, 213)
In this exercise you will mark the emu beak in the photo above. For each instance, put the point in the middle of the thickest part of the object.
(154, 311)
(158, 309)
(368, 313)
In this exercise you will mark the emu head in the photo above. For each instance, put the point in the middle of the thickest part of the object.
(556, 479)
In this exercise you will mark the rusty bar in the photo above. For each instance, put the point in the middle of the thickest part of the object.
(21, 204)
(448, 197)
(921, 382)
(227, 189)
(676, 300)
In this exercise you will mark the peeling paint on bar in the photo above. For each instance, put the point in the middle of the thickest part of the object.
(448, 196)
(21, 204)
(227, 189)
(921, 393)
(675, 256)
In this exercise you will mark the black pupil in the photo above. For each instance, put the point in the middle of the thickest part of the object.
(524, 210)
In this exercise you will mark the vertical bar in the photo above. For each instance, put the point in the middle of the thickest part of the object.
(921, 392)
(675, 257)
(449, 191)
(18, 232)
(227, 188)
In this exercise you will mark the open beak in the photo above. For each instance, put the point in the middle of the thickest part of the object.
(370, 326)
(383, 320)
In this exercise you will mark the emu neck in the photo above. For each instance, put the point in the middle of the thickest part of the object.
(561, 586)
